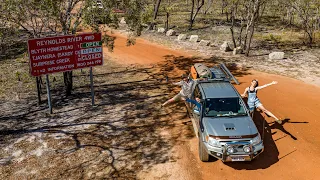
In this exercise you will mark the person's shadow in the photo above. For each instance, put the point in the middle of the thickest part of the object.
(271, 153)
(275, 125)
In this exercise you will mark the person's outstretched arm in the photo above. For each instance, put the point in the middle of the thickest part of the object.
(194, 102)
(245, 92)
(178, 83)
(266, 85)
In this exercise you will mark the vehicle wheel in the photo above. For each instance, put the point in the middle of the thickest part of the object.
(203, 155)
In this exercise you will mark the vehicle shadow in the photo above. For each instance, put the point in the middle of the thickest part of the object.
(270, 154)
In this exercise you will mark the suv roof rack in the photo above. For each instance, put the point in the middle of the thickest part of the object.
(217, 73)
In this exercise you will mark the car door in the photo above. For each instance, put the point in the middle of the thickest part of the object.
(196, 93)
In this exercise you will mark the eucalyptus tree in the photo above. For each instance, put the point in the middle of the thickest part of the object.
(308, 12)
(196, 5)
(248, 13)
(41, 18)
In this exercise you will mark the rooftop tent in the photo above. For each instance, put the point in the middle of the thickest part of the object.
(200, 70)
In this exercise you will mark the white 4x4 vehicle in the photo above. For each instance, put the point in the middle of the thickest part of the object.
(223, 123)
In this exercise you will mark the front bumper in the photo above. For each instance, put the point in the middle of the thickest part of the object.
(222, 154)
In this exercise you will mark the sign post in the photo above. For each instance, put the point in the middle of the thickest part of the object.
(91, 84)
(65, 53)
(48, 93)
(38, 90)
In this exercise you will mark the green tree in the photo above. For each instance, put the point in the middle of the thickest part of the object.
(40, 18)
(248, 12)
(7, 32)
(308, 13)
(29, 16)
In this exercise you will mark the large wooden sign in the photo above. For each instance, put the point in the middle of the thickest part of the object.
(64, 53)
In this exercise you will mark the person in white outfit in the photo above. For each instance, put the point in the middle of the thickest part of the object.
(253, 100)
(187, 85)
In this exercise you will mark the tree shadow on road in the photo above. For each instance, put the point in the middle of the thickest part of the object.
(120, 135)
(117, 138)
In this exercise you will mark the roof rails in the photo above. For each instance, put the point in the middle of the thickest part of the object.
(228, 73)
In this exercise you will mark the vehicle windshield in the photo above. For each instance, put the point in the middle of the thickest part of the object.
(224, 107)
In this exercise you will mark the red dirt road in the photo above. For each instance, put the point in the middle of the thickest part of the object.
(292, 150)
(286, 156)
(141, 53)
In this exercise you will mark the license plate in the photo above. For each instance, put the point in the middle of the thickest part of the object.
(237, 158)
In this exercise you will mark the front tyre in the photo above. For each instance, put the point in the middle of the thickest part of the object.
(203, 155)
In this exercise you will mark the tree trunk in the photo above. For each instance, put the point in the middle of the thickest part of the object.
(222, 6)
(191, 15)
(66, 25)
(249, 21)
(251, 25)
(156, 10)
(318, 19)
(167, 21)
(250, 38)
(263, 10)
(208, 6)
(67, 77)
(254, 16)
(245, 38)
(38, 78)
(310, 35)
(227, 16)
(231, 28)
(155, 14)
(240, 33)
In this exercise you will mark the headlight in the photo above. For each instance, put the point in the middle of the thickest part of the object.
(256, 140)
(213, 142)
(246, 149)
(230, 150)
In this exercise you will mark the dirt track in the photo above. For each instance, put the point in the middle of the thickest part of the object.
(291, 149)
(126, 136)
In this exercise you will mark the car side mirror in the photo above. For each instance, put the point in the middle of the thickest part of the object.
(196, 111)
